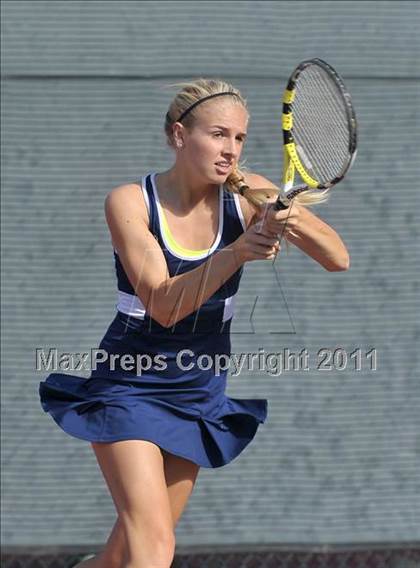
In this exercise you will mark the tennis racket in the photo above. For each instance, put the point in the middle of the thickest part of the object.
(319, 130)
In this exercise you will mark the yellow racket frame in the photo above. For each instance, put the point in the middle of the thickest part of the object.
(292, 162)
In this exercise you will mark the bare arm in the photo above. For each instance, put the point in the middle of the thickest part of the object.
(318, 240)
(170, 299)
(305, 230)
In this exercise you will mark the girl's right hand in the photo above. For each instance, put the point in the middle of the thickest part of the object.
(256, 244)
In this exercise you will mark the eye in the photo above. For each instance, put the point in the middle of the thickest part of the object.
(217, 134)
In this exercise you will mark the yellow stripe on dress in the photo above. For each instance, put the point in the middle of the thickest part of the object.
(178, 249)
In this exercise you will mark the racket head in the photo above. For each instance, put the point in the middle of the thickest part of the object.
(319, 125)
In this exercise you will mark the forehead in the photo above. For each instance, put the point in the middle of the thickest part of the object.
(223, 113)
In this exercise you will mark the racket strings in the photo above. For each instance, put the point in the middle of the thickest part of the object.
(320, 125)
(317, 139)
(329, 129)
(315, 136)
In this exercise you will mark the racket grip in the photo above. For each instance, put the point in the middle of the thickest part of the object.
(282, 202)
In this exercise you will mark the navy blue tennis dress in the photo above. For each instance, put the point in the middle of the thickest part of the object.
(175, 395)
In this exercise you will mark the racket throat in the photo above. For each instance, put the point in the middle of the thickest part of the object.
(289, 173)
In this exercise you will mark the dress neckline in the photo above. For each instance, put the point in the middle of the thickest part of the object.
(175, 248)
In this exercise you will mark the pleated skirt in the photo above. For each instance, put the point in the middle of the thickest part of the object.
(166, 391)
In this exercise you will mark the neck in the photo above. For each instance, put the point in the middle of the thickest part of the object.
(183, 188)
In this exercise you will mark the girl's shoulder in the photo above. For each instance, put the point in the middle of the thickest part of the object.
(128, 196)
(125, 206)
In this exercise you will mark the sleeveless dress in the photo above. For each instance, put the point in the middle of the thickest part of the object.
(164, 385)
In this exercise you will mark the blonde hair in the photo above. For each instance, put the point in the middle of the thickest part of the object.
(191, 93)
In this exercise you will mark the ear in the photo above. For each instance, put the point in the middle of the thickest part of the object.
(178, 134)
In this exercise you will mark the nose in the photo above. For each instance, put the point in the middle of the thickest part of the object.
(231, 148)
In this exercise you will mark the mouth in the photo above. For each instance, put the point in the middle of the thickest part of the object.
(223, 167)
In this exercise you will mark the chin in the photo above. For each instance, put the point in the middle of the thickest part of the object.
(222, 176)
(217, 179)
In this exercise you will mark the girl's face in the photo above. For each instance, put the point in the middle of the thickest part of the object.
(214, 144)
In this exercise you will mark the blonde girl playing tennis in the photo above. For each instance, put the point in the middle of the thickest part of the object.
(181, 238)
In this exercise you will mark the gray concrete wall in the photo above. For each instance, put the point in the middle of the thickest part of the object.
(83, 103)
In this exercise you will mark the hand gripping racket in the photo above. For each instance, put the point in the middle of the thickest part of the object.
(319, 130)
